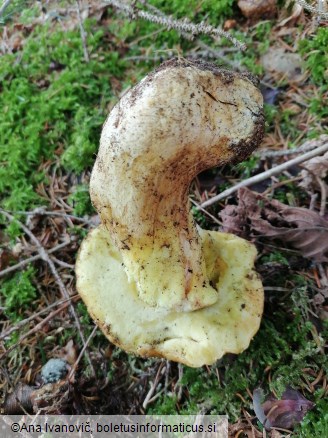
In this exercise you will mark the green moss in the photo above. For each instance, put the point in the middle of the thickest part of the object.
(18, 293)
(285, 346)
(13, 230)
(257, 41)
(80, 201)
(315, 423)
(196, 10)
(199, 217)
(315, 52)
(274, 257)
(52, 101)
(246, 168)
(167, 406)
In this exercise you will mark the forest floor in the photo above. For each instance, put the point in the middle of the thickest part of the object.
(61, 71)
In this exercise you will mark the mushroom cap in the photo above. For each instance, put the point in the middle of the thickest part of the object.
(193, 338)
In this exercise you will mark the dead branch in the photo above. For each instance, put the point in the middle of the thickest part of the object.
(81, 353)
(45, 256)
(82, 32)
(42, 212)
(25, 321)
(265, 175)
(170, 23)
(25, 262)
(35, 328)
(307, 146)
(315, 11)
(4, 6)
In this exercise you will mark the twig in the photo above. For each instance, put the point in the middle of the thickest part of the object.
(45, 256)
(307, 146)
(180, 368)
(323, 188)
(25, 262)
(4, 6)
(265, 175)
(199, 207)
(42, 212)
(62, 264)
(170, 23)
(142, 58)
(82, 31)
(25, 321)
(312, 9)
(219, 55)
(81, 353)
(35, 328)
(153, 386)
(278, 289)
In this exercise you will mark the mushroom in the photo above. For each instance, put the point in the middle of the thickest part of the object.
(155, 282)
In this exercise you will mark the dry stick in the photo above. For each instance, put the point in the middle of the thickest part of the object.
(188, 36)
(35, 329)
(307, 146)
(265, 175)
(45, 256)
(323, 188)
(180, 368)
(4, 6)
(53, 213)
(81, 353)
(315, 11)
(62, 264)
(219, 55)
(20, 324)
(82, 32)
(153, 386)
(25, 262)
(170, 23)
(199, 207)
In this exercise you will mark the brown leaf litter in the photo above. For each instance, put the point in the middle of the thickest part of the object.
(313, 170)
(284, 413)
(258, 216)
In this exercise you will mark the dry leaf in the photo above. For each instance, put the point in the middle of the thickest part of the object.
(229, 24)
(292, 18)
(5, 258)
(284, 413)
(304, 229)
(69, 353)
(315, 168)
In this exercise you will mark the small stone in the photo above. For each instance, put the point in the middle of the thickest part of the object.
(254, 9)
(229, 24)
(54, 370)
(277, 60)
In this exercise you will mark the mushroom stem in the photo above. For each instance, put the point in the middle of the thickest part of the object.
(176, 122)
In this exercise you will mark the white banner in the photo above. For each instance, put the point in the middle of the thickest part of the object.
(101, 426)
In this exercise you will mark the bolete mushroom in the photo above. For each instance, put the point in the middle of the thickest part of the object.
(157, 284)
